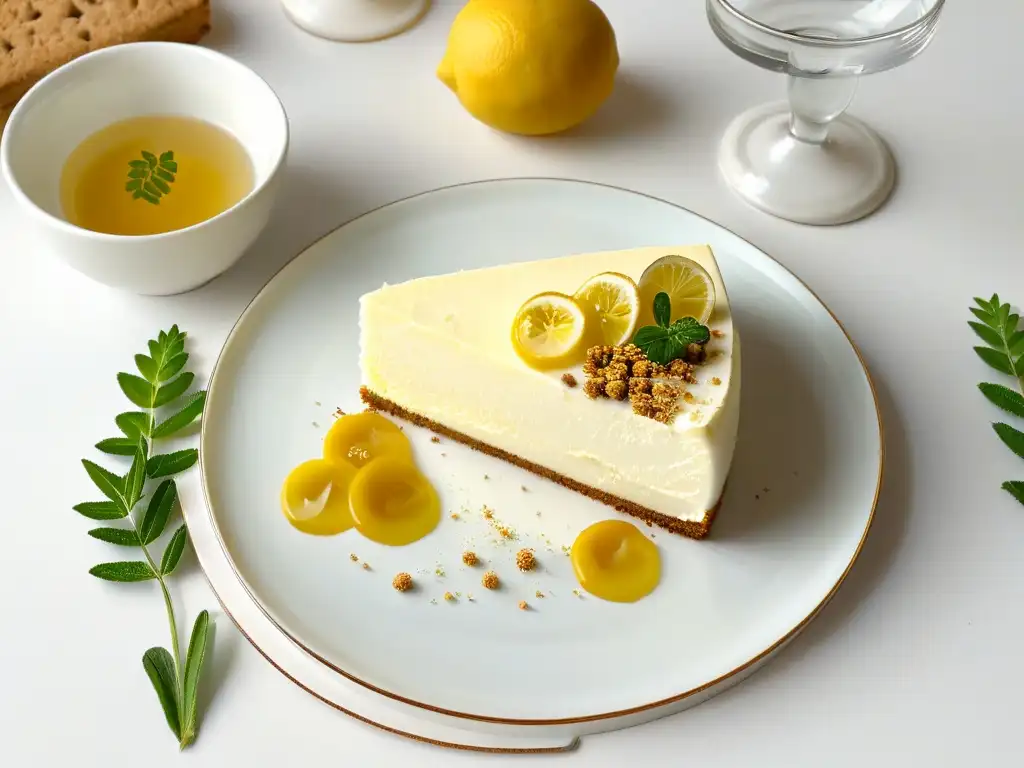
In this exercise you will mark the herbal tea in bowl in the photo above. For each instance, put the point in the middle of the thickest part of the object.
(147, 166)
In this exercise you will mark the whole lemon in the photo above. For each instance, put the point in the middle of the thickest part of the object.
(530, 66)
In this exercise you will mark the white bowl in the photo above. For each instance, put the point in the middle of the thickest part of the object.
(130, 80)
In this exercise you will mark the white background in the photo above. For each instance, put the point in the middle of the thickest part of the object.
(917, 661)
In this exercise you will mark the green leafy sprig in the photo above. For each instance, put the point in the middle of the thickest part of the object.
(1004, 351)
(664, 342)
(161, 387)
(151, 177)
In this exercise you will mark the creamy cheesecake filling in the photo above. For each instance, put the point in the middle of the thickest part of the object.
(440, 347)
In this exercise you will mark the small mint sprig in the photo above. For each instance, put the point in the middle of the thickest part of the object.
(1005, 353)
(663, 343)
(150, 178)
(163, 384)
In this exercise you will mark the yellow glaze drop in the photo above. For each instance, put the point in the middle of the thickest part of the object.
(358, 438)
(613, 560)
(315, 497)
(392, 502)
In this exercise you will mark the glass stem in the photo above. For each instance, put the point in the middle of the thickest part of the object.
(815, 101)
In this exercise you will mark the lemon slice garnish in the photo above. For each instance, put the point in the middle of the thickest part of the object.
(612, 304)
(687, 283)
(549, 331)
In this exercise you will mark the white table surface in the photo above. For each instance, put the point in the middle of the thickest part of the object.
(917, 661)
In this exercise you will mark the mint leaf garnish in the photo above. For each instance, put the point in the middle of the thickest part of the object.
(663, 343)
(662, 309)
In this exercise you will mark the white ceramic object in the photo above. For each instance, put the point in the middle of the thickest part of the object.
(126, 81)
(843, 179)
(807, 161)
(797, 509)
(355, 21)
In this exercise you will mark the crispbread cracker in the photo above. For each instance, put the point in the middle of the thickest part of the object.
(37, 36)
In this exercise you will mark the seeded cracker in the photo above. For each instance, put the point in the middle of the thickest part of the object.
(37, 36)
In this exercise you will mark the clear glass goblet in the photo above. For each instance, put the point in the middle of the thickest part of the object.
(807, 161)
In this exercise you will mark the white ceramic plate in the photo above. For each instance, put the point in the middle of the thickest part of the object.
(798, 506)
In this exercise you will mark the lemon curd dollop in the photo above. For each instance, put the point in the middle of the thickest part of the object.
(366, 479)
(358, 438)
(392, 502)
(315, 497)
(613, 560)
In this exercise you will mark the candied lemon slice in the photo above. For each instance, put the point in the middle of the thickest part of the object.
(549, 331)
(687, 283)
(611, 302)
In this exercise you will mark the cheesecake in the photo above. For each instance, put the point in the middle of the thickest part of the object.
(653, 438)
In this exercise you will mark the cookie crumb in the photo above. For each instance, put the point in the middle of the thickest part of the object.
(505, 533)
(569, 380)
(716, 381)
(470, 558)
(524, 489)
(538, 593)
(449, 597)
(439, 571)
(577, 593)
(717, 333)
(490, 580)
(402, 582)
(454, 515)
(525, 560)
(435, 439)
(366, 566)
(353, 557)
(523, 605)
(488, 513)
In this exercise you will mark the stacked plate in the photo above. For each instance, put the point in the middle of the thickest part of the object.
(480, 673)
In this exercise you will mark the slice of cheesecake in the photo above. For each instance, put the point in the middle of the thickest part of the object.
(438, 352)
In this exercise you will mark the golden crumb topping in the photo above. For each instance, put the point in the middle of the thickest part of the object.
(569, 380)
(490, 580)
(523, 605)
(525, 560)
(449, 597)
(620, 373)
(402, 582)
(470, 558)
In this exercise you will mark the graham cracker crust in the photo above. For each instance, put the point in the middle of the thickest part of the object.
(674, 525)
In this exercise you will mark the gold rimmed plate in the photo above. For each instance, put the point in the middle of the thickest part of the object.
(798, 506)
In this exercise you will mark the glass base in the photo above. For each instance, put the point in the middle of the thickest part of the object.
(355, 21)
(843, 179)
